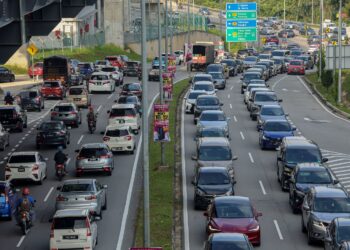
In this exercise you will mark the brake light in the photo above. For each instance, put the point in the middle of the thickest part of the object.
(88, 230)
(105, 156)
(106, 138)
(61, 198)
(52, 234)
(54, 113)
(106, 82)
(73, 113)
(91, 197)
(35, 167)
(7, 168)
(128, 137)
(80, 157)
(37, 99)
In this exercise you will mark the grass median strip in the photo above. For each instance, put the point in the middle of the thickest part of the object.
(161, 183)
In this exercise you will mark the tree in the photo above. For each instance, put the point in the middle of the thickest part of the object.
(327, 78)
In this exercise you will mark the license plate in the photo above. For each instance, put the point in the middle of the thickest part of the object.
(70, 237)
(118, 148)
(21, 169)
(93, 159)
(121, 121)
(76, 99)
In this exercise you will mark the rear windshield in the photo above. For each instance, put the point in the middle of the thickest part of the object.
(207, 101)
(84, 65)
(77, 187)
(108, 69)
(101, 63)
(251, 76)
(193, 96)
(132, 64)
(265, 98)
(99, 77)
(132, 87)
(51, 84)
(117, 132)
(22, 158)
(127, 99)
(93, 152)
(63, 108)
(31, 94)
(70, 223)
(202, 78)
(206, 87)
(6, 113)
(297, 63)
(75, 91)
(51, 126)
(123, 112)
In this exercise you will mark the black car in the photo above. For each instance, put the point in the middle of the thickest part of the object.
(131, 68)
(31, 100)
(6, 75)
(305, 176)
(294, 150)
(13, 117)
(232, 66)
(206, 102)
(220, 241)
(76, 79)
(210, 182)
(52, 133)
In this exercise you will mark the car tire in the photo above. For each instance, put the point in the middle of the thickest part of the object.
(303, 228)
(78, 174)
(37, 146)
(282, 183)
(104, 207)
(3, 146)
(40, 182)
(109, 173)
(310, 240)
(132, 151)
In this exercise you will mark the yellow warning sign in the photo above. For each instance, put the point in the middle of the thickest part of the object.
(32, 49)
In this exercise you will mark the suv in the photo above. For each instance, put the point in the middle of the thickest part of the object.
(31, 99)
(320, 206)
(66, 112)
(260, 99)
(206, 102)
(53, 89)
(73, 228)
(52, 133)
(126, 115)
(79, 96)
(86, 69)
(131, 68)
(294, 150)
(13, 117)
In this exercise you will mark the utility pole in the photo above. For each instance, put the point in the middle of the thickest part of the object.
(321, 45)
(284, 14)
(145, 130)
(171, 27)
(160, 54)
(340, 53)
(220, 17)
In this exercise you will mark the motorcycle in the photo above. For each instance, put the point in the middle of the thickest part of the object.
(92, 126)
(24, 222)
(60, 172)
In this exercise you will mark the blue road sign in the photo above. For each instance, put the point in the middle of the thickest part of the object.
(241, 6)
(240, 23)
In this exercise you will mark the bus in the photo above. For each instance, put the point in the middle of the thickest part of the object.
(57, 68)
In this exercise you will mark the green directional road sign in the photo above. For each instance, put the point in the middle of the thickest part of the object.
(241, 35)
(241, 15)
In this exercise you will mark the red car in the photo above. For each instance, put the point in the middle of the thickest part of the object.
(272, 39)
(296, 67)
(53, 89)
(233, 214)
(38, 70)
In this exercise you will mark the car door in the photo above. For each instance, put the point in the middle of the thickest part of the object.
(42, 164)
(99, 194)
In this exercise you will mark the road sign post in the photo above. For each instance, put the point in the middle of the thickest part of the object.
(32, 50)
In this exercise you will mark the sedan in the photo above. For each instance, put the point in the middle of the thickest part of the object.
(82, 193)
(268, 112)
(233, 214)
(52, 133)
(273, 131)
(191, 99)
(94, 157)
(219, 80)
(220, 241)
(213, 118)
(68, 113)
(209, 87)
(36, 70)
(132, 89)
(296, 67)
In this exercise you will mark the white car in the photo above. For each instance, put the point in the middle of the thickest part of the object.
(99, 64)
(191, 99)
(119, 138)
(73, 229)
(116, 74)
(125, 114)
(101, 82)
(207, 86)
(180, 54)
(27, 165)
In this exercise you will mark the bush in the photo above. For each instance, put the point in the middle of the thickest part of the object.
(327, 78)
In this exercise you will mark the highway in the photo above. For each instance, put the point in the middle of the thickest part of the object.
(115, 228)
(256, 169)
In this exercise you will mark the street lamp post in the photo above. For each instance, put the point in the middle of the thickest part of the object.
(320, 50)
(340, 53)
(284, 14)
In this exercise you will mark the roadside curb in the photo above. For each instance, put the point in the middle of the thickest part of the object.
(18, 84)
(324, 101)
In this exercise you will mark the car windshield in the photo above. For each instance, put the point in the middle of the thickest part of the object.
(212, 117)
(233, 209)
(207, 101)
(75, 91)
(251, 76)
(272, 111)
(332, 205)
(29, 94)
(127, 99)
(265, 98)
(296, 63)
(84, 65)
(213, 133)
(250, 59)
(123, 112)
(22, 159)
(277, 126)
(314, 177)
(69, 223)
(229, 62)
(66, 108)
(51, 126)
(206, 87)
(343, 233)
(302, 155)
(234, 245)
(212, 178)
(99, 77)
(257, 81)
(101, 62)
(51, 84)
(117, 132)
(194, 95)
(93, 152)
(108, 69)
(264, 56)
(217, 75)
(202, 78)
(214, 153)
(132, 87)
(77, 187)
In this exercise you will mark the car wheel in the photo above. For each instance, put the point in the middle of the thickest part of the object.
(278, 174)
(37, 146)
(283, 179)
(132, 151)
(20, 129)
(109, 173)
(64, 145)
(40, 181)
(310, 239)
(295, 210)
(105, 205)
(3, 146)
(261, 144)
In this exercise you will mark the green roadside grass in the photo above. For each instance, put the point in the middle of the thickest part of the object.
(161, 183)
(16, 69)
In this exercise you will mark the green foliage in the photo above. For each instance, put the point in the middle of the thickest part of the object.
(327, 78)
(16, 69)
(323, 61)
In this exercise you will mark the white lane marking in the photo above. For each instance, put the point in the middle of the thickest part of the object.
(48, 194)
(80, 139)
(230, 106)
(339, 164)
(16, 146)
(242, 135)
(332, 156)
(331, 161)
(23, 138)
(5, 158)
(228, 96)
(45, 114)
(340, 171)
(342, 175)
(99, 108)
(262, 187)
(231, 88)
(234, 118)
(345, 182)
(274, 85)
(110, 96)
(8, 154)
(251, 157)
(340, 167)
(278, 229)
(68, 160)
(20, 241)
(20, 141)
(319, 102)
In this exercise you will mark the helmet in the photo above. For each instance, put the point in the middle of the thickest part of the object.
(8, 93)
(25, 191)
(91, 108)
(60, 148)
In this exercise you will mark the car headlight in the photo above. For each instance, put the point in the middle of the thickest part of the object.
(317, 223)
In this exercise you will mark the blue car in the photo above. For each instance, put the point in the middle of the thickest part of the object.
(86, 69)
(268, 112)
(272, 132)
(8, 198)
(155, 63)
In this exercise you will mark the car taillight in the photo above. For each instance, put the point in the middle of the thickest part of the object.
(128, 137)
(73, 113)
(106, 138)
(91, 82)
(35, 167)
(80, 157)
(54, 113)
(61, 133)
(37, 99)
(61, 198)
(7, 168)
(52, 234)
(91, 197)
(106, 82)
(105, 156)
(88, 230)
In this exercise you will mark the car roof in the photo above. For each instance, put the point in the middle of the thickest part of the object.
(202, 75)
(298, 141)
(213, 112)
(117, 126)
(342, 221)
(78, 181)
(213, 169)
(271, 106)
(214, 141)
(123, 106)
(323, 192)
(242, 199)
(24, 153)
(310, 166)
(65, 104)
(101, 73)
(94, 145)
(228, 237)
(71, 213)
(203, 83)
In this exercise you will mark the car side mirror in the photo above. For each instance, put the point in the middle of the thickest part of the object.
(335, 182)
(215, 81)
(76, 151)
(96, 218)
(189, 81)
(241, 78)
(235, 157)
(221, 104)
(215, 90)
(115, 101)
(294, 128)
(194, 157)
(193, 182)
(324, 160)
(280, 100)
(250, 99)
(108, 111)
(287, 114)
(328, 239)
(306, 207)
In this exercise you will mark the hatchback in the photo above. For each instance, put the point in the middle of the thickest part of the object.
(125, 114)
(209, 87)
(82, 193)
(52, 133)
(273, 131)
(296, 67)
(94, 157)
(116, 74)
(31, 100)
(101, 82)
(130, 99)
(53, 89)
(251, 86)
(191, 100)
(99, 64)
(220, 241)
(8, 199)
(219, 80)
(6, 75)
(131, 68)
(86, 69)
(120, 138)
(67, 113)
(79, 96)
(132, 89)
(210, 132)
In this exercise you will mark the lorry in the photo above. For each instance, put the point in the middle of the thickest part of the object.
(57, 68)
(203, 55)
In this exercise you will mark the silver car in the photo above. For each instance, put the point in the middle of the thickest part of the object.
(68, 113)
(191, 100)
(94, 157)
(213, 118)
(83, 194)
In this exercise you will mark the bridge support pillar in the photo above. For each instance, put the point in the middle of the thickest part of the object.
(114, 21)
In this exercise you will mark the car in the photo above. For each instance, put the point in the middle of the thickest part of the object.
(219, 241)
(215, 67)
(205, 102)
(86, 69)
(73, 228)
(8, 199)
(99, 64)
(12, 117)
(233, 214)
(219, 80)
(268, 112)
(252, 92)
(6, 75)
(76, 80)
(232, 66)
(294, 150)
(120, 138)
(131, 68)
(214, 151)
(210, 132)
(250, 61)
(68, 113)
(36, 70)
(210, 182)
(4, 138)
(269, 67)
(296, 67)
(252, 86)
(296, 52)
(53, 89)
(208, 87)
(259, 99)
(82, 193)
(247, 77)
(280, 62)
(155, 62)
(264, 56)
(214, 118)
(308, 62)
(101, 82)
(52, 133)
(79, 96)
(191, 100)
(125, 114)
(200, 77)
(240, 65)
(204, 11)
(180, 55)
(303, 177)
(116, 74)
(337, 232)
(94, 157)
(130, 99)
(320, 206)
(132, 89)
(264, 69)
(273, 131)
(272, 39)
(26, 165)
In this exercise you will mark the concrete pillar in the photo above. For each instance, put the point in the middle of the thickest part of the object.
(114, 22)
(99, 15)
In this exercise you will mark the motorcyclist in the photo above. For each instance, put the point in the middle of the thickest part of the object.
(91, 116)
(8, 98)
(61, 157)
(25, 203)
